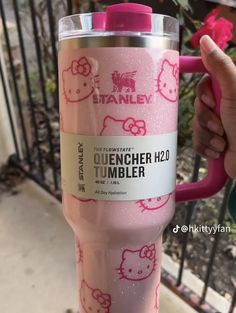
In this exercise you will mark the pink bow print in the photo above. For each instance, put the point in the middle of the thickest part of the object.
(103, 298)
(81, 67)
(148, 252)
(135, 127)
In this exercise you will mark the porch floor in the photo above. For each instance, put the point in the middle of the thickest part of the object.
(37, 261)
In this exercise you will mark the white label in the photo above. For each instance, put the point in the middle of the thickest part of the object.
(118, 167)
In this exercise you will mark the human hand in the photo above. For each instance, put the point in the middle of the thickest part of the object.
(212, 136)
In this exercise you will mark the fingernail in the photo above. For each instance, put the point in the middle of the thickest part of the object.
(207, 44)
(212, 154)
(217, 144)
(215, 128)
(208, 101)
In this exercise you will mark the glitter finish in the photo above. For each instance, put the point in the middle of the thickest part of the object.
(120, 242)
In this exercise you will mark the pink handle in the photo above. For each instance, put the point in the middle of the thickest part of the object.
(216, 177)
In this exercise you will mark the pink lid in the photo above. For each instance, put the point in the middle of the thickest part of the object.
(99, 20)
(129, 17)
(129, 7)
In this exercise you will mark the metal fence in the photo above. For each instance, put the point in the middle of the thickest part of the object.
(40, 141)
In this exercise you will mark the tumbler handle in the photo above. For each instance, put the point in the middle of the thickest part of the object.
(216, 176)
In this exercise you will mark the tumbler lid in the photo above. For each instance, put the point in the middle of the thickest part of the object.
(129, 7)
(129, 17)
(99, 21)
(124, 19)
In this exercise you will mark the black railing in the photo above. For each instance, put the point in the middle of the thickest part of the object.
(40, 159)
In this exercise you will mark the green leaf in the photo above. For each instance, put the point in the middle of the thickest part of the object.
(183, 3)
(232, 52)
(51, 85)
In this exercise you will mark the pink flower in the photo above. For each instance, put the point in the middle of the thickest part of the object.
(219, 29)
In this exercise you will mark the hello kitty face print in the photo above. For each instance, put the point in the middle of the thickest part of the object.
(79, 252)
(127, 127)
(156, 305)
(153, 204)
(168, 80)
(137, 265)
(61, 122)
(78, 81)
(94, 300)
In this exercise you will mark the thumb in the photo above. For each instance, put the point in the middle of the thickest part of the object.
(220, 66)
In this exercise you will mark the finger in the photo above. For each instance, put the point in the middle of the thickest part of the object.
(204, 91)
(220, 66)
(205, 151)
(207, 118)
(208, 138)
(230, 163)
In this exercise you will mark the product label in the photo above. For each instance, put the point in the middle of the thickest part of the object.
(118, 167)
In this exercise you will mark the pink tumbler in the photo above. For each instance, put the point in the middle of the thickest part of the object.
(119, 76)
